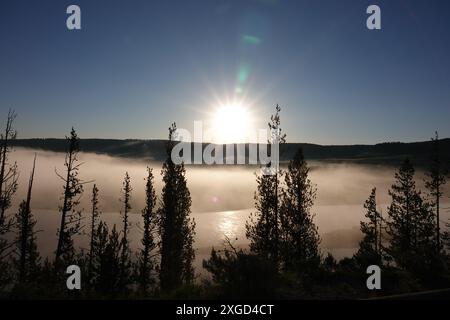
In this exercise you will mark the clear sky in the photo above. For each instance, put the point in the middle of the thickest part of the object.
(136, 66)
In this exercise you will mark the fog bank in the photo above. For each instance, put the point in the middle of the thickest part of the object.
(222, 197)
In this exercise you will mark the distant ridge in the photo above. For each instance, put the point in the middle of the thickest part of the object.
(390, 153)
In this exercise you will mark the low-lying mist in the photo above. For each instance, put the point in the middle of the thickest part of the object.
(222, 196)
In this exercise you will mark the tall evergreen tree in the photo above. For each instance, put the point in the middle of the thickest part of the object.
(369, 251)
(8, 172)
(263, 227)
(146, 263)
(28, 258)
(401, 210)
(125, 259)
(435, 185)
(107, 267)
(411, 224)
(8, 186)
(175, 226)
(70, 224)
(98, 254)
(300, 236)
(95, 216)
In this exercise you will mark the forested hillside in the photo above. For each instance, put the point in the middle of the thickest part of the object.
(391, 153)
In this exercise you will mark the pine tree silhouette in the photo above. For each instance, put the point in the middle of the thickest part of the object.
(8, 173)
(125, 253)
(300, 236)
(108, 262)
(263, 227)
(28, 258)
(70, 217)
(369, 251)
(175, 227)
(435, 185)
(8, 186)
(146, 256)
(95, 216)
(411, 223)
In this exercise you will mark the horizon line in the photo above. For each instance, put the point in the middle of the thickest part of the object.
(240, 143)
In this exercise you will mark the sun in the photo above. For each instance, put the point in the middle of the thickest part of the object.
(231, 123)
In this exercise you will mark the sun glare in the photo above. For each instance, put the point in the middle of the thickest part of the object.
(231, 124)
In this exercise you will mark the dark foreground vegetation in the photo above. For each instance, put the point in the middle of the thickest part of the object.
(410, 243)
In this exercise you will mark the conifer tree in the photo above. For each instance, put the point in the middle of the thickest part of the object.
(260, 227)
(8, 186)
(98, 254)
(300, 236)
(28, 258)
(95, 216)
(411, 224)
(70, 224)
(146, 263)
(8, 172)
(125, 262)
(175, 226)
(435, 185)
(108, 261)
(263, 227)
(369, 251)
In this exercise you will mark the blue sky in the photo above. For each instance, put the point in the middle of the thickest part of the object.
(136, 66)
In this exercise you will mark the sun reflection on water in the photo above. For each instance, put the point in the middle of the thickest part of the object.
(228, 225)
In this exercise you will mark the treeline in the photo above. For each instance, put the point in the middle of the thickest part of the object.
(284, 259)
(391, 154)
